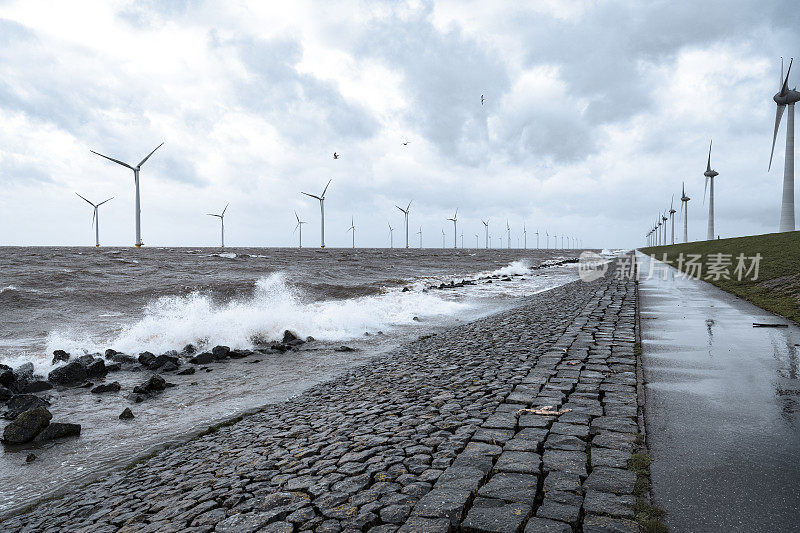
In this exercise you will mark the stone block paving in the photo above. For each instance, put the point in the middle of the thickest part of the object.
(436, 436)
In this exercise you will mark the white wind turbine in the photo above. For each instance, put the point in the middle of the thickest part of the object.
(391, 236)
(546, 240)
(476, 241)
(442, 237)
(672, 217)
(95, 219)
(420, 236)
(710, 175)
(524, 236)
(486, 225)
(664, 218)
(321, 199)
(462, 237)
(786, 97)
(299, 226)
(405, 212)
(508, 232)
(136, 182)
(454, 220)
(685, 212)
(221, 218)
(537, 238)
(353, 229)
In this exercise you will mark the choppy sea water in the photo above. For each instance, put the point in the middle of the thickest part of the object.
(84, 300)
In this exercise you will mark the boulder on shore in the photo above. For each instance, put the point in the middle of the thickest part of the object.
(36, 386)
(6, 375)
(127, 414)
(107, 387)
(220, 352)
(59, 430)
(146, 358)
(59, 356)
(27, 426)
(70, 373)
(5, 394)
(96, 369)
(203, 358)
(289, 336)
(155, 384)
(20, 403)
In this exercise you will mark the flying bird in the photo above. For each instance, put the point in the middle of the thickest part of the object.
(335, 155)
(406, 143)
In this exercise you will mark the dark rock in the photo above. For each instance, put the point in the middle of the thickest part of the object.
(87, 385)
(240, 354)
(289, 336)
(127, 414)
(30, 458)
(122, 358)
(310, 339)
(96, 369)
(24, 371)
(69, 373)
(85, 360)
(59, 356)
(106, 387)
(109, 354)
(113, 367)
(220, 352)
(189, 349)
(6, 375)
(146, 358)
(27, 425)
(344, 349)
(203, 358)
(405, 289)
(58, 430)
(187, 371)
(5, 394)
(36, 386)
(169, 366)
(155, 384)
(415, 319)
(23, 402)
(163, 359)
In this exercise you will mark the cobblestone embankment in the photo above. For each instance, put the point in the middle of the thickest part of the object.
(427, 438)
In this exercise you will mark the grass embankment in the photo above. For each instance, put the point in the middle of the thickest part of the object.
(777, 287)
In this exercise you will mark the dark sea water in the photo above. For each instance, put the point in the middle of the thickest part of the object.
(84, 300)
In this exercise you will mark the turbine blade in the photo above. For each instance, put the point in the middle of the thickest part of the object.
(117, 161)
(326, 188)
(671, 202)
(87, 201)
(708, 167)
(104, 201)
(704, 191)
(312, 196)
(148, 155)
(409, 206)
(785, 86)
(778, 116)
(94, 215)
(226, 208)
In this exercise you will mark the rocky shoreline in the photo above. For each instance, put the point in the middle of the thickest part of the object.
(523, 420)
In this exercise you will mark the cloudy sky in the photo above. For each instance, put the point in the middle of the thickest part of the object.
(595, 113)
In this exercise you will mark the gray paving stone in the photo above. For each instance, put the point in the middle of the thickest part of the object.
(605, 524)
(522, 462)
(545, 525)
(605, 503)
(511, 487)
(559, 511)
(615, 480)
(495, 516)
(443, 502)
(565, 461)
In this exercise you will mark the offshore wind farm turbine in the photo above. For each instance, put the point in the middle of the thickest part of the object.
(685, 212)
(664, 219)
(321, 199)
(420, 236)
(524, 236)
(786, 98)
(476, 241)
(95, 219)
(221, 218)
(391, 237)
(136, 170)
(710, 175)
(353, 229)
(443, 237)
(508, 233)
(486, 226)
(405, 213)
(299, 226)
(672, 217)
(537, 238)
(454, 220)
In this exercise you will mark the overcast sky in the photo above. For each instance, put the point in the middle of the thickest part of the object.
(595, 113)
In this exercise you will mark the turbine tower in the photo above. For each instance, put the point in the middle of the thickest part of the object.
(462, 238)
(443, 237)
(672, 216)
(685, 212)
(786, 97)
(221, 217)
(524, 236)
(136, 182)
(508, 233)
(476, 241)
(405, 212)
(353, 229)
(299, 226)
(710, 175)
(391, 237)
(321, 199)
(537, 238)
(420, 236)
(486, 225)
(454, 220)
(95, 219)
(664, 219)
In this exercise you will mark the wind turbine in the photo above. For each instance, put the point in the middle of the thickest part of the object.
(537, 238)
(95, 219)
(786, 97)
(486, 225)
(221, 217)
(300, 227)
(508, 232)
(321, 199)
(672, 217)
(442, 237)
(353, 229)
(476, 241)
(420, 236)
(524, 236)
(546, 240)
(454, 220)
(405, 212)
(664, 218)
(685, 212)
(462, 237)
(710, 175)
(136, 182)
(391, 237)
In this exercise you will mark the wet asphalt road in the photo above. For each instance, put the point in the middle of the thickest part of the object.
(722, 408)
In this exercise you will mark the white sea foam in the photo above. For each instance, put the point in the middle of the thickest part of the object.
(518, 268)
(9, 288)
(226, 255)
(172, 322)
